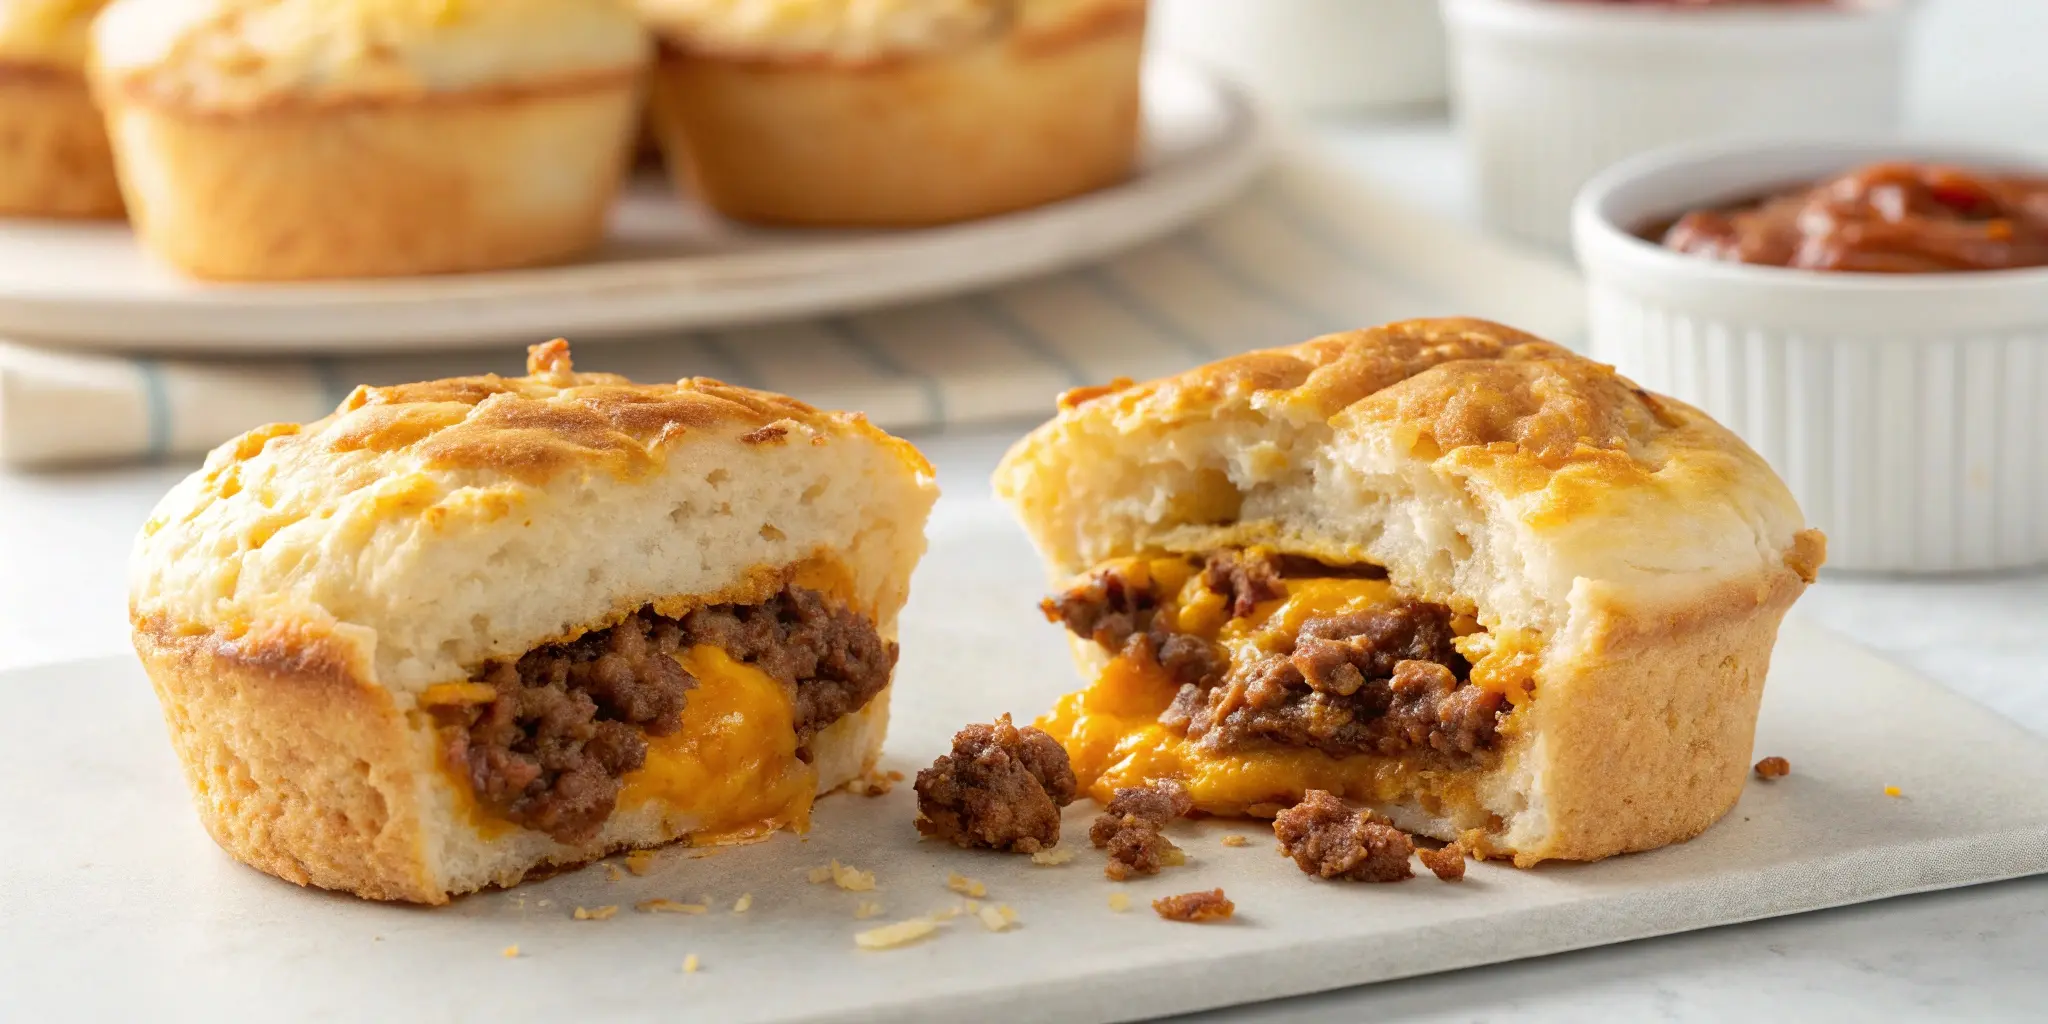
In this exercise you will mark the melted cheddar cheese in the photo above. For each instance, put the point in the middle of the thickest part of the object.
(1112, 733)
(731, 773)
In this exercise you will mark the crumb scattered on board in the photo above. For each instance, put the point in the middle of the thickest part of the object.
(1195, 907)
(845, 876)
(511, 952)
(1893, 791)
(964, 885)
(596, 913)
(744, 903)
(1773, 768)
(1055, 856)
(1447, 864)
(611, 872)
(1234, 839)
(690, 964)
(1119, 901)
(640, 862)
(996, 917)
(889, 936)
(866, 909)
(874, 784)
(669, 907)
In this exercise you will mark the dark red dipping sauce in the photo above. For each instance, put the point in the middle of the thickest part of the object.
(1887, 218)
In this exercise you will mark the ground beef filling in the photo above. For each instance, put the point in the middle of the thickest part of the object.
(570, 720)
(1000, 788)
(1384, 681)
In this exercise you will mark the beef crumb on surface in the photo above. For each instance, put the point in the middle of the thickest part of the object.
(1195, 907)
(570, 720)
(1773, 768)
(1386, 680)
(1131, 828)
(1327, 838)
(1447, 864)
(1000, 788)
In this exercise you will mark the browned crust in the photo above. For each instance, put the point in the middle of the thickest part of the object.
(375, 190)
(1108, 18)
(1005, 124)
(532, 427)
(1647, 730)
(54, 159)
(298, 767)
(146, 90)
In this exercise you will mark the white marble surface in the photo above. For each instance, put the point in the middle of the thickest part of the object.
(1972, 954)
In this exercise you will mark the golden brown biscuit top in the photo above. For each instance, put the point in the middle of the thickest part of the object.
(47, 33)
(1595, 477)
(551, 420)
(859, 31)
(1454, 383)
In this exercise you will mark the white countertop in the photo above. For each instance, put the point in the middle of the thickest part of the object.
(1972, 954)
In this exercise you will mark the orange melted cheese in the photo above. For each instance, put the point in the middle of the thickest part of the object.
(1112, 733)
(731, 773)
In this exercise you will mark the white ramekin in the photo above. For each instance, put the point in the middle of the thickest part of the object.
(1549, 92)
(1315, 55)
(1908, 412)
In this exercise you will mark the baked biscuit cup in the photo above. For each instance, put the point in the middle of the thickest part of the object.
(53, 146)
(480, 180)
(1010, 122)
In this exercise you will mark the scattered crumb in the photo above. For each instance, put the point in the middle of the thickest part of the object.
(1195, 906)
(511, 952)
(1447, 864)
(1327, 838)
(997, 917)
(1119, 901)
(972, 906)
(889, 936)
(1892, 791)
(640, 862)
(1000, 788)
(1129, 829)
(669, 907)
(1773, 768)
(873, 784)
(964, 885)
(820, 873)
(543, 903)
(1234, 839)
(744, 903)
(894, 775)
(850, 878)
(1055, 856)
(690, 964)
(866, 909)
(596, 914)
(611, 872)
(948, 913)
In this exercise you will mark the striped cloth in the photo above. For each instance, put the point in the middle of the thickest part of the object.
(1307, 250)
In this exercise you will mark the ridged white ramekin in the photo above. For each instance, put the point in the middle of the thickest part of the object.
(1549, 92)
(1908, 412)
(1315, 55)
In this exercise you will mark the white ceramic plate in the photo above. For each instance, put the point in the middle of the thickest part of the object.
(667, 265)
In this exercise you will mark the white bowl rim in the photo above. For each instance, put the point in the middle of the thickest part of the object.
(1544, 14)
(1601, 241)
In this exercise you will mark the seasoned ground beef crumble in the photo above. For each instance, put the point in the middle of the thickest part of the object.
(1000, 788)
(570, 720)
(1382, 681)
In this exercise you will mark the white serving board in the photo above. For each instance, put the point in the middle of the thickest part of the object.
(117, 906)
(668, 264)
